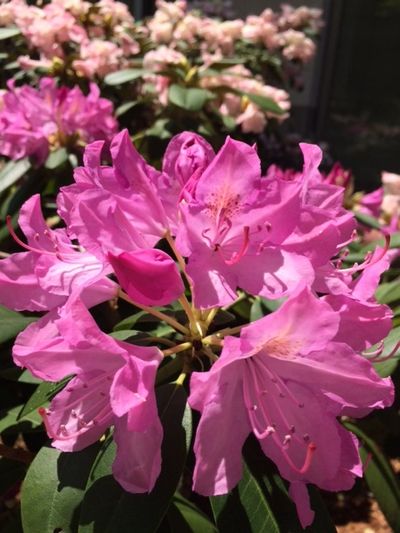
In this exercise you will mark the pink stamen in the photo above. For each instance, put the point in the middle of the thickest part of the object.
(237, 256)
(369, 259)
(353, 236)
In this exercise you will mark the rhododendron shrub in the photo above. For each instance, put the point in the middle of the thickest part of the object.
(205, 285)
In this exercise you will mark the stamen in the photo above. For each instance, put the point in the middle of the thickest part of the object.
(311, 448)
(370, 259)
(237, 256)
(377, 359)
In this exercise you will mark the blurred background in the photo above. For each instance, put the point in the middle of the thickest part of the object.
(350, 97)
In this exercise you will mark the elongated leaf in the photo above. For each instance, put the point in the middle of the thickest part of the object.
(191, 99)
(387, 368)
(244, 509)
(380, 477)
(108, 508)
(11, 323)
(13, 171)
(124, 108)
(44, 393)
(7, 33)
(56, 158)
(276, 493)
(185, 517)
(53, 490)
(388, 293)
(123, 76)
(10, 420)
(367, 220)
(264, 103)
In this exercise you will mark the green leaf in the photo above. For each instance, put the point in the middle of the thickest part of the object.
(124, 108)
(191, 99)
(159, 129)
(264, 103)
(7, 33)
(123, 76)
(388, 293)
(367, 220)
(53, 490)
(12, 323)
(380, 477)
(276, 493)
(245, 508)
(108, 508)
(11, 420)
(387, 368)
(43, 394)
(12, 172)
(185, 517)
(56, 158)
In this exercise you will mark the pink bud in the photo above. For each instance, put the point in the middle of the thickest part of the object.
(149, 277)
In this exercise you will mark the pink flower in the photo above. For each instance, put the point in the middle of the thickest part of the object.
(232, 229)
(114, 209)
(113, 385)
(33, 120)
(98, 58)
(286, 380)
(150, 277)
(44, 277)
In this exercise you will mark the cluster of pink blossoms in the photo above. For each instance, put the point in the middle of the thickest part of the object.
(35, 121)
(100, 34)
(284, 30)
(287, 377)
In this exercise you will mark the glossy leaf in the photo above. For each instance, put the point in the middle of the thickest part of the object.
(56, 158)
(43, 394)
(108, 508)
(53, 490)
(185, 517)
(123, 76)
(245, 508)
(7, 33)
(13, 170)
(380, 477)
(10, 420)
(12, 323)
(191, 99)
(388, 367)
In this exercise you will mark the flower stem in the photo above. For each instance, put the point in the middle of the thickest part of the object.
(176, 349)
(158, 314)
(179, 257)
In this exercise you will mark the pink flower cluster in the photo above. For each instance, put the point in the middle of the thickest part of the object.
(283, 31)
(287, 377)
(101, 34)
(384, 202)
(35, 121)
(247, 114)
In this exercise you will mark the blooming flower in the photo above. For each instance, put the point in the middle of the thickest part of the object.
(43, 277)
(34, 120)
(286, 380)
(113, 385)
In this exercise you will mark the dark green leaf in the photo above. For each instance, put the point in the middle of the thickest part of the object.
(185, 517)
(43, 394)
(108, 508)
(53, 490)
(380, 477)
(12, 323)
(56, 158)
(12, 172)
(7, 33)
(123, 76)
(10, 420)
(191, 99)
(245, 508)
